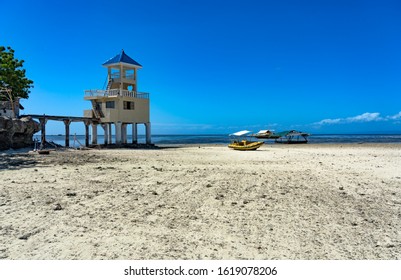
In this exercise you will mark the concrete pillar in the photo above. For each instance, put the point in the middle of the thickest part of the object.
(67, 132)
(94, 133)
(148, 134)
(124, 133)
(87, 123)
(118, 126)
(134, 133)
(43, 122)
(110, 139)
(105, 127)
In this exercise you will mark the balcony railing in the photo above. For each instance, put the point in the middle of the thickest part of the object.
(117, 75)
(116, 92)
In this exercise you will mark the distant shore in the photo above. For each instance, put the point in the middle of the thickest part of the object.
(203, 201)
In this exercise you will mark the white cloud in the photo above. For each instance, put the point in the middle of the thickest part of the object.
(365, 117)
(328, 121)
(394, 117)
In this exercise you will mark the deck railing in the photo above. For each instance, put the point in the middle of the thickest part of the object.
(116, 92)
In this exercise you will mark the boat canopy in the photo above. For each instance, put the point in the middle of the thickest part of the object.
(264, 131)
(241, 133)
(291, 133)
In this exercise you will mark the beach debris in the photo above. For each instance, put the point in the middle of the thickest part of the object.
(219, 196)
(29, 234)
(209, 186)
(57, 207)
(3, 254)
(154, 193)
(25, 236)
(70, 194)
(157, 169)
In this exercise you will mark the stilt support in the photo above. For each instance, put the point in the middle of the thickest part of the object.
(105, 127)
(43, 131)
(148, 134)
(87, 123)
(134, 134)
(118, 132)
(110, 134)
(94, 133)
(124, 133)
(67, 123)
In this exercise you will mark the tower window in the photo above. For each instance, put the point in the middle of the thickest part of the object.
(128, 105)
(110, 104)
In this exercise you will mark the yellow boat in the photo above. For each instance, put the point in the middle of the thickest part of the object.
(243, 144)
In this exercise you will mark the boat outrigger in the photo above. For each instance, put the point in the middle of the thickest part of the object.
(239, 141)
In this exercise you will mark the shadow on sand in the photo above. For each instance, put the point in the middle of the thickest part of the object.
(17, 161)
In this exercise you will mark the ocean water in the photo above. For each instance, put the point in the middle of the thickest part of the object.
(76, 141)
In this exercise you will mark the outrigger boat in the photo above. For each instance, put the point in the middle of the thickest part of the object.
(240, 143)
(292, 137)
(265, 134)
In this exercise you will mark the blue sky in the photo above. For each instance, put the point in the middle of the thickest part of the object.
(219, 66)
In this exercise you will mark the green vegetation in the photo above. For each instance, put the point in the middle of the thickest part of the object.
(12, 76)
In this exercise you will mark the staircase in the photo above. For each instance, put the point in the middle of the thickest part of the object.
(97, 112)
(110, 82)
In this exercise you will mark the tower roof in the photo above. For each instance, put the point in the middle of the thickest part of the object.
(121, 58)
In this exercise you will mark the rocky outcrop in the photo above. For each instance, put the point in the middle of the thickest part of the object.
(17, 133)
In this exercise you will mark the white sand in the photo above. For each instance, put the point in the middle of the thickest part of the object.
(279, 202)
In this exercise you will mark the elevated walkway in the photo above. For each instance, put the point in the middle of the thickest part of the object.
(67, 121)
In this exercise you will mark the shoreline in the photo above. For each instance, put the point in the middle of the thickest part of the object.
(309, 201)
(179, 145)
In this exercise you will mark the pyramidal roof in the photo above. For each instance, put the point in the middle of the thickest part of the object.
(121, 58)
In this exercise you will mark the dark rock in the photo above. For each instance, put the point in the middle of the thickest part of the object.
(25, 236)
(57, 207)
(17, 133)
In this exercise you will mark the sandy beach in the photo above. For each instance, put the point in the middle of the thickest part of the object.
(208, 202)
